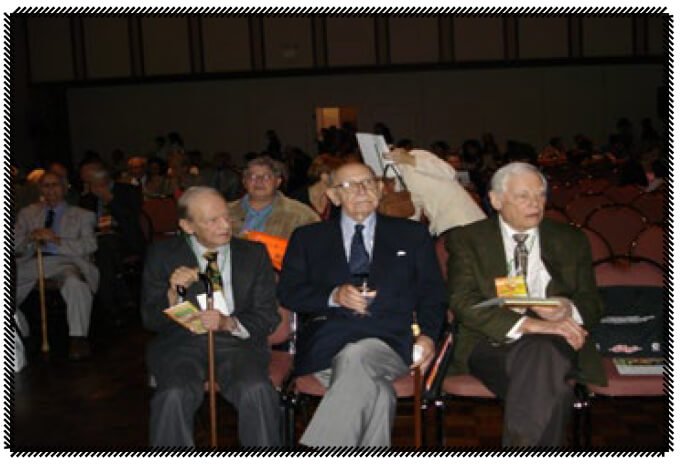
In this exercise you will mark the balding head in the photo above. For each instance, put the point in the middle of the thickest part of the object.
(204, 213)
(356, 190)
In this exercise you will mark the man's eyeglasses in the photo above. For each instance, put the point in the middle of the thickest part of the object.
(255, 177)
(354, 186)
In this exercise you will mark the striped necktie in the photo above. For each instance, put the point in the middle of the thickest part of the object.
(521, 254)
(213, 271)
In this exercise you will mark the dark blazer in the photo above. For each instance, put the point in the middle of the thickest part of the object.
(404, 271)
(253, 287)
(476, 258)
(126, 209)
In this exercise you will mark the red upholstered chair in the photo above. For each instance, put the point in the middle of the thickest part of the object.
(558, 215)
(562, 194)
(651, 205)
(649, 244)
(163, 213)
(594, 185)
(640, 272)
(624, 194)
(600, 247)
(618, 224)
(581, 206)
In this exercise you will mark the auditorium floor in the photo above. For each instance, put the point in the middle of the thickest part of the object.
(103, 403)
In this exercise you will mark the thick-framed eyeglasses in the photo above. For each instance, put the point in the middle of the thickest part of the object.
(255, 177)
(354, 186)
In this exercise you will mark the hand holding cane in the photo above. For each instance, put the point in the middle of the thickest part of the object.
(211, 363)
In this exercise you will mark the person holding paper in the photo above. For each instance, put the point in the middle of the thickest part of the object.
(524, 355)
(264, 208)
(435, 190)
(243, 287)
(359, 279)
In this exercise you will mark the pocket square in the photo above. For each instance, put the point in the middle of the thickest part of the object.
(401, 253)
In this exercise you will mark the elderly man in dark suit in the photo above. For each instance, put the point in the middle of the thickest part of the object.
(354, 348)
(245, 314)
(524, 355)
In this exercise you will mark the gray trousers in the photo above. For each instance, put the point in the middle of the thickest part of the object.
(73, 288)
(180, 370)
(359, 406)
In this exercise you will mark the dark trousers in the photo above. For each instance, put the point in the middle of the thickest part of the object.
(180, 370)
(530, 375)
(110, 252)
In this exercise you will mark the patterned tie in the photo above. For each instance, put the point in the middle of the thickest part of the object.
(521, 254)
(359, 258)
(213, 271)
(49, 219)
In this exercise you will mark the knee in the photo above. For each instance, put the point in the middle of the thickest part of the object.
(73, 280)
(175, 396)
(252, 389)
(354, 356)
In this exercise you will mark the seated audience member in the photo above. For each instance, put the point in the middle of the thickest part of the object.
(658, 181)
(180, 176)
(264, 208)
(243, 281)
(117, 207)
(136, 172)
(156, 185)
(355, 348)
(319, 178)
(524, 355)
(225, 176)
(554, 153)
(66, 235)
(435, 190)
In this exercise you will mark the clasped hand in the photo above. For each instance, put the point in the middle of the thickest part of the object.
(349, 296)
(44, 235)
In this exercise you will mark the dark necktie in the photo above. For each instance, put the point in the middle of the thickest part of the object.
(521, 254)
(49, 219)
(213, 271)
(359, 258)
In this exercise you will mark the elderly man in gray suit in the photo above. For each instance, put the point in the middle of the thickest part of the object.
(66, 235)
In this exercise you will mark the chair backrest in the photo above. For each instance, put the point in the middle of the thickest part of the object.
(649, 244)
(640, 272)
(557, 215)
(442, 255)
(163, 213)
(561, 194)
(651, 205)
(594, 185)
(600, 247)
(581, 206)
(618, 224)
(624, 194)
(283, 331)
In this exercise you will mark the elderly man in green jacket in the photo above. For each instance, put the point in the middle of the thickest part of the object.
(525, 355)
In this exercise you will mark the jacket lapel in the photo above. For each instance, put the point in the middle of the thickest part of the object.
(240, 276)
(549, 255)
(381, 251)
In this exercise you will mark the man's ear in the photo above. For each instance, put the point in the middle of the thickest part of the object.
(495, 200)
(186, 226)
(333, 195)
(279, 182)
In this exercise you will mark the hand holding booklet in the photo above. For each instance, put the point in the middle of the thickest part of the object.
(518, 301)
(182, 313)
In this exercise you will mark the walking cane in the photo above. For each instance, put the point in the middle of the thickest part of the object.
(211, 364)
(41, 290)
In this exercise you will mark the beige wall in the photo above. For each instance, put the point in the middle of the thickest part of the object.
(527, 104)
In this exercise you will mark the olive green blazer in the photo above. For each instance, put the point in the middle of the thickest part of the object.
(476, 258)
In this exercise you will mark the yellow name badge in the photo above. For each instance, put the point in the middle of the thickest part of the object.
(508, 287)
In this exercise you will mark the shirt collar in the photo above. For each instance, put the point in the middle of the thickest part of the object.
(200, 249)
(508, 231)
(348, 224)
(57, 209)
(268, 208)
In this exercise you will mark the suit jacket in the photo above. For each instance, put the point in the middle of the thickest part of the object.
(126, 209)
(76, 231)
(253, 287)
(286, 215)
(476, 258)
(404, 271)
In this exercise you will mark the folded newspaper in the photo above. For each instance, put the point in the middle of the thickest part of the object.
(639, 366)
(518, 301)
(182, 314)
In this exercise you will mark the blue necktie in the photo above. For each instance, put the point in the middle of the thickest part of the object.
(359, 258)
(49, 219)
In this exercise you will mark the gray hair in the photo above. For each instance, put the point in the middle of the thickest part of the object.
(274, 165)
(498, 183)
(188, 196)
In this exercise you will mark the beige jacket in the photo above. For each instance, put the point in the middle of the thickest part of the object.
(436, 192)
(287, 215)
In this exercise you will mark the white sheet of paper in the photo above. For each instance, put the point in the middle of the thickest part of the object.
(219, 303)
(372, 147)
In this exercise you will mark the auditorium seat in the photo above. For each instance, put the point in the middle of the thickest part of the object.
(651, 205)
(618, 224)
(581, 206)
(163, 213)
(649, 244)
(598, 244)
(624, 194)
